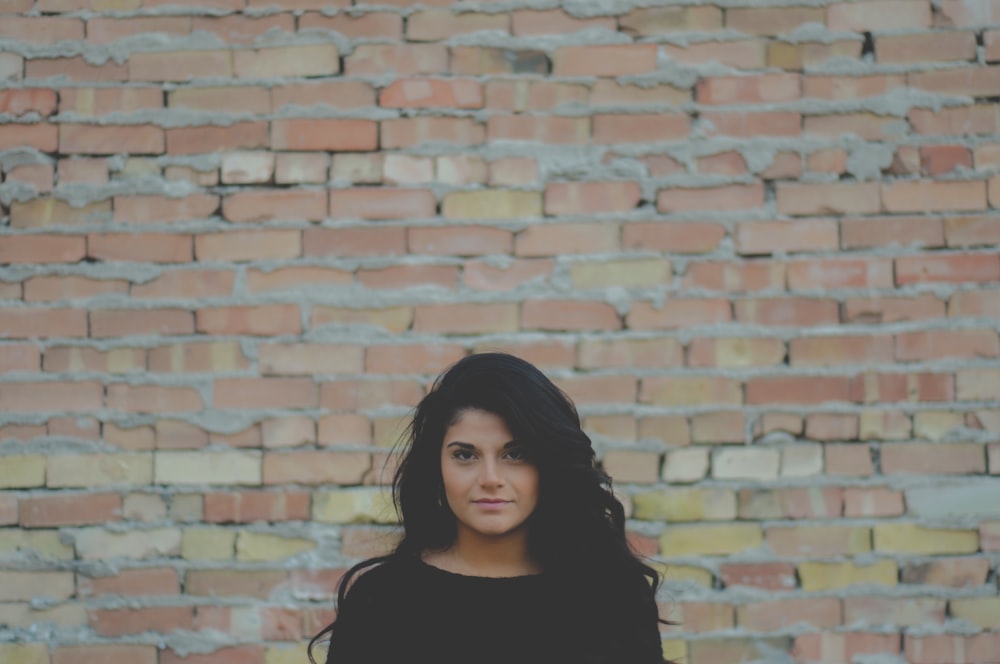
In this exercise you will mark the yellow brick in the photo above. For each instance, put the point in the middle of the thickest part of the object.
(207, 544)
(830, 576)
(710, 540)
(981, 611)
(22, 615)
(685, 505)
(624, 273)
(292, 654)
(187, 508)
(91, 470)
(393, 319)
(22, 471)
(257, 547)
(698, 575)
(911, 538)
(242, 467)
(24, 653)
(494, 204)
(688, 464)
(675, 650)
(387, 431)
(44, 544)
(935, 424)
(364, 506)
(17, 586)
(99, 544)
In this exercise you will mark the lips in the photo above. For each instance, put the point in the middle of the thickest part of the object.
(490, 501)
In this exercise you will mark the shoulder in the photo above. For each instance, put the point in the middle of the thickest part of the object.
(379, 579)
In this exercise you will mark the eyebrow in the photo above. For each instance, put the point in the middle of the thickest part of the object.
(470, 446)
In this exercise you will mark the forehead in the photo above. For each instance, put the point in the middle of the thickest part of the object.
(478, 427)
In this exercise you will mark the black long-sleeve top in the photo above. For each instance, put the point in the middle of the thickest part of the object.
(405, 610)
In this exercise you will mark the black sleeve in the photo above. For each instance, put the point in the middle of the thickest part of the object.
(353, 638)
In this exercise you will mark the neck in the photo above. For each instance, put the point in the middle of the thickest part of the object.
(476, 555)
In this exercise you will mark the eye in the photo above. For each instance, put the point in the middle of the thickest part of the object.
(462, 455)
(517, 454)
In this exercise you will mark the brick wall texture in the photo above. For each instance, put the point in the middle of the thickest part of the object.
(756, 242)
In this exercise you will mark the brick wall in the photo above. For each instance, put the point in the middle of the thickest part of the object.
(757, 244)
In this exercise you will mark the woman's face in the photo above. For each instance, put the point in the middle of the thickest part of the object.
(490, 485)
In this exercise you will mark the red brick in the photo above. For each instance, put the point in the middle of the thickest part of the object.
(604, 60)
(42, 249)
(771, 20)
(972, 231)
(590, 197)
(797, 389)
(484, 275)
(460, 241)
(107, 323)
(844, 647)
(621, 353)
(678, 313)
(766, 237)
(750, 124)
(224, 99)
(941, 344)
(41, 30)
(432, 93)
(98, 139)
(239, 136)
(466, 318)
(147, 209)
(19, 101)
(261, 244)
(834, 198)
(539, 128)
(794, 311)
(250, 506)
(948, 268)
(556, 21)
(892, 309)
(939, 46)
(338, 94)
(723, 163)
(244, 393)
(121, 622)
(268, 205)
(867, 126)
(951, 648)
(850, 460)
(834, 351)
(401, 59)
(868, 232)
(408, 132)
(931, 458)
(354, 394)
(385, 25)
(733, 276)
(153, 399)
(953, 572)
(972, 81)
(145, 247)
(673, 237)
(934, 196)
(260, 320)
(728, 197)
(768, 576)
(180, 65)
(69, 510)
(438, 24)
(106, 30)
(556, 315)
(873, 502)
(131, 582)
(252, 654)
(640, 128)
(24, 323)
(850, 87)
(479, 61)
(979, 119)
(20, 357)
(42, 137)
(889, 388)
(379, 203)
(759, 89)
(776, 614)
(561, 239)
(878, 15)
(840, 273)
(978, 304)
(354, 241)
(187, 284)
(75, 69)
(739, 54)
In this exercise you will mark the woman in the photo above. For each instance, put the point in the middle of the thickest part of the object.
(513, 546)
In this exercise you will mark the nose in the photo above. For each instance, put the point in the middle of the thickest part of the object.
(489, 474)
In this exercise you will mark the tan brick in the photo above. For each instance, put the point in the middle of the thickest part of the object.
(493, 204)
(24, 653)
(35, 544)
(710, 540)
(632, 466)
(207, 544)
(26, 586)
(817, 576)
(984, 612)
(356, 506)
(22, 471)
(92, 470)
(685, 505)
(243, 467)
(262, 547)
(746, 463)
(99, 544)
(686, 465)
(632, 273)
(914, 539)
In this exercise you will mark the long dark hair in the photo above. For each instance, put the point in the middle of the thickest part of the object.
(577, 532)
